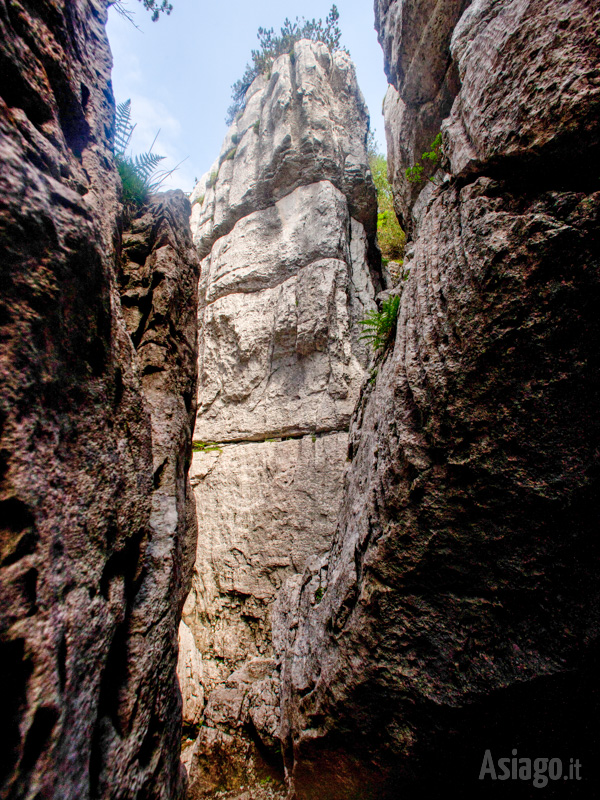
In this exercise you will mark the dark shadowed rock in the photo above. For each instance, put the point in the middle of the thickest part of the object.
(460, 605)
(92, 569)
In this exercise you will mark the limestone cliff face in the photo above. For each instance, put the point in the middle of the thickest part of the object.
(95, 423)
(286, 224)
(460, 606)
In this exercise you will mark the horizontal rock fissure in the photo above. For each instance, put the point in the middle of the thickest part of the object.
(272, 438)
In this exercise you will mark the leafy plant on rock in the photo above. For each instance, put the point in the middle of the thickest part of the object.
(380, 326)
(139, 174)
(206, 447)
(273, 45)
(433, 155)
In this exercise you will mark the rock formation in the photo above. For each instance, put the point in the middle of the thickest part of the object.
(96, 411)
(459, 608)
(285, 223)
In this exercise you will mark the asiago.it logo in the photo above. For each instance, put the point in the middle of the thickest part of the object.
(537, 770)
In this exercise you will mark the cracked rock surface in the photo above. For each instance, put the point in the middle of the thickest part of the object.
(95, 432)
(458, 605)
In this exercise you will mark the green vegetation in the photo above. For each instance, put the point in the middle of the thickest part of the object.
(206, 447)
(434, 154)
(390, 235)
(380, 326)
(155, 7)
(319, 594)
(212, 179)
(273, 45)
(139, 175)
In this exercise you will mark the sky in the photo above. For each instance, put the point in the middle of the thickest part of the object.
(178, 71)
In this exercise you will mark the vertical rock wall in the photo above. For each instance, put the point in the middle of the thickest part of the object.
(285, 222)
(92, 490)
(460, 610)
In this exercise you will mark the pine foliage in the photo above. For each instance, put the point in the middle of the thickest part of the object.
(273, 45)
(155, 7)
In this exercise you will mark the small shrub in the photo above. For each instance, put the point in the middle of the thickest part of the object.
(256, 126)
(139, 175)
(380, 326)
(230, 154)
(390, 235)
(319, 594)
(135, 190)
(415, 174)
(433, 155)
(212, 179)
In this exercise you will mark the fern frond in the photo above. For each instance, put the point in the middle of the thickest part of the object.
(146, 163)
(380, 326)
(123, 115)
(123, 127)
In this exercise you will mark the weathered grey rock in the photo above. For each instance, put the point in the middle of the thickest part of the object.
(415, 36)
(288, 271)
(458, 608)
(263, 510)
(305, 124)
(158, 279)
(90, 550)
(190, 674)
(548, 101)
(280, 350)
(240, 714)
